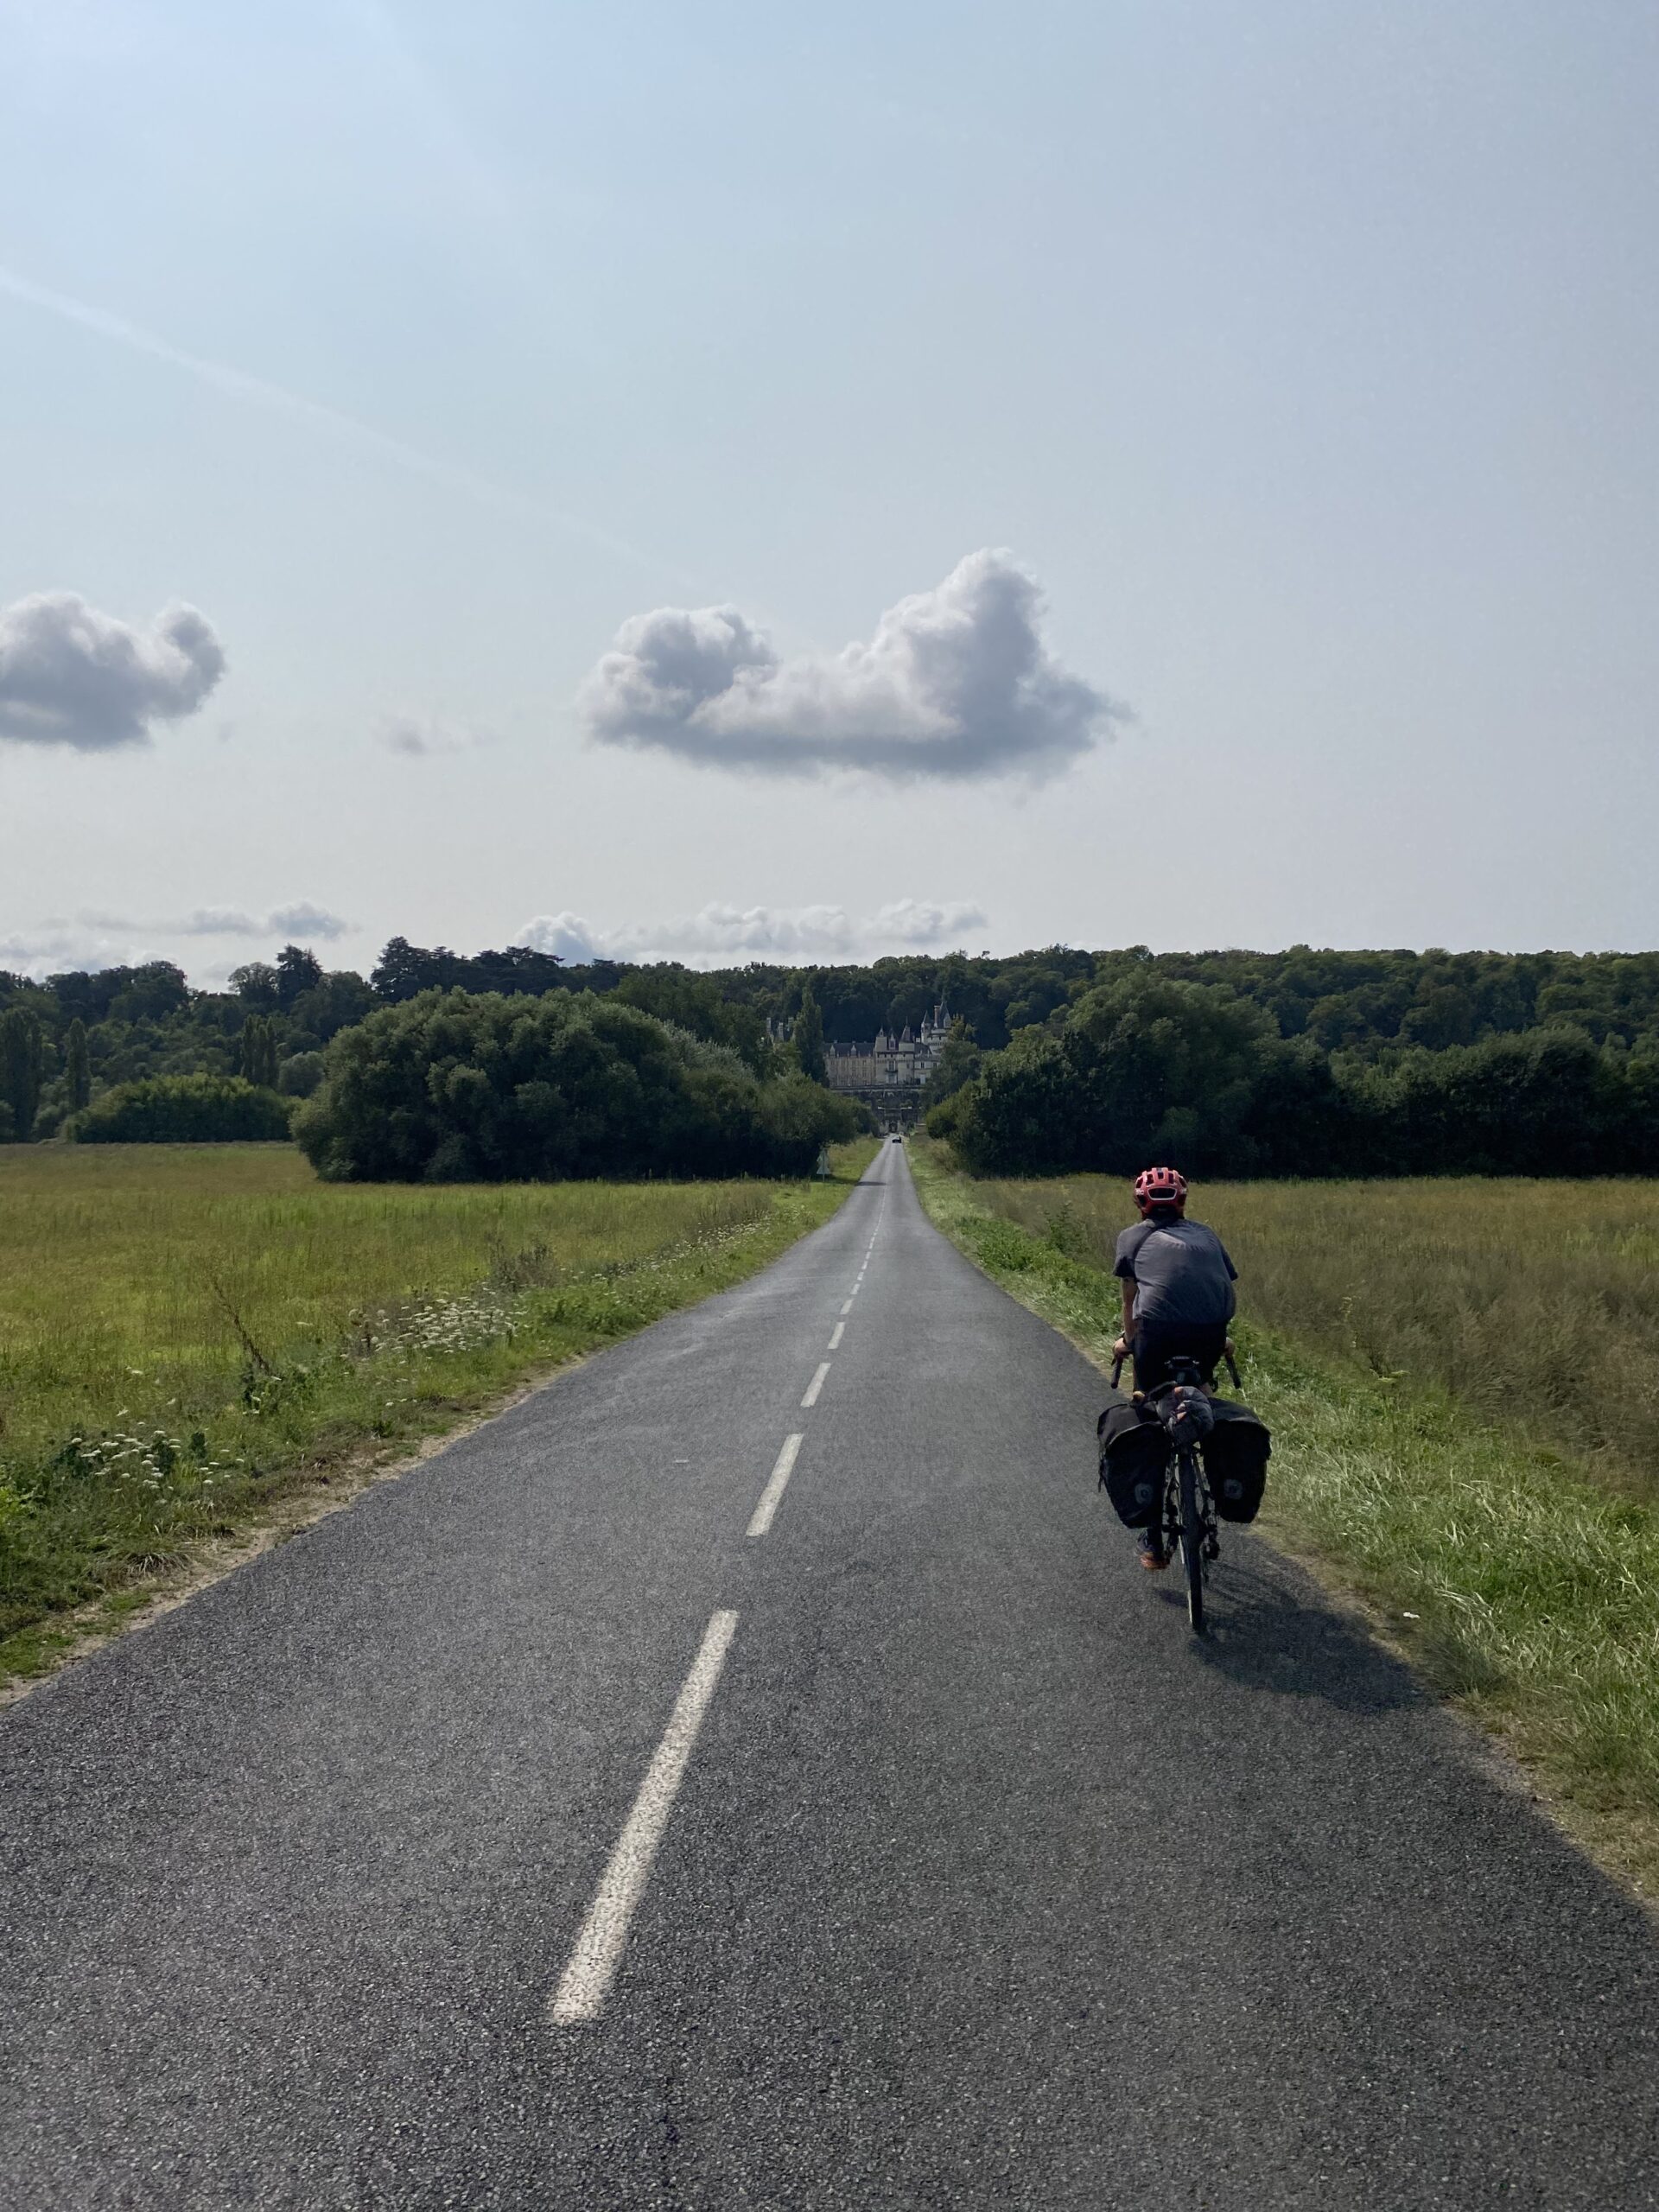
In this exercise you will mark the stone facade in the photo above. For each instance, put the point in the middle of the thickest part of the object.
(890, 1062)
(887, 1072)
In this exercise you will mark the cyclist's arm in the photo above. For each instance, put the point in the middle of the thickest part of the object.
(1123, 1269)
(1121, 1349)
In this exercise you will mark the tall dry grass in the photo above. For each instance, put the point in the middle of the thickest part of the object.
(1535, 1304)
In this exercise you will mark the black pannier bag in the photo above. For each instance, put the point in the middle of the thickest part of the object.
(1133, 1458)
(1235, 1454)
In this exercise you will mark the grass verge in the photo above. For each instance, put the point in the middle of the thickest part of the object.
(1536, 1303)
(275, 1344)
(1516, 1585)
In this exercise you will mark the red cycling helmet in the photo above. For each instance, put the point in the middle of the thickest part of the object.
(1160, 1186)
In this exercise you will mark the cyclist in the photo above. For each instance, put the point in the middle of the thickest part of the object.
(1178, 1297)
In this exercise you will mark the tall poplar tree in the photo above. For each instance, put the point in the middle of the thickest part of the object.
(808, 1038)
(77, 1065)
(259, 1052)
(22, 1062)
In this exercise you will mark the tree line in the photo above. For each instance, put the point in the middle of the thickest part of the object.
(1374, 1059)
(67, 1043)
(1154, 1068)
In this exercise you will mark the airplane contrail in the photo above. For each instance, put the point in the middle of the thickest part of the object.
(239, 385)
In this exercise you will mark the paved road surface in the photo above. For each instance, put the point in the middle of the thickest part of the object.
(976, 1883)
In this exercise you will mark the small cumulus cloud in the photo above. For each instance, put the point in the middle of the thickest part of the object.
(722, 933)
(60, 948)
(566, 937)
(218, 921)
(418, 737)
(956, 683)
(94, 939)
(920, 922)
(301, 918)
(71, 675)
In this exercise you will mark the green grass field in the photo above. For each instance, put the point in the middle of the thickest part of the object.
(183, 1329)
(1436, 1361)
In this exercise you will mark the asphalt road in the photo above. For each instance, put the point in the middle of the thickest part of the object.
(977, 1882)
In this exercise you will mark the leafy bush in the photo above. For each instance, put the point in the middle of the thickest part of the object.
(449, 1087)
(183, 1109)
(1142, 1068)
(300, 1074)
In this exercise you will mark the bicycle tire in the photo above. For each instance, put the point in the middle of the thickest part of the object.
(1192, 1542)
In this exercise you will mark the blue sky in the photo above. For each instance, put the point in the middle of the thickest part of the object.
(1302, 353)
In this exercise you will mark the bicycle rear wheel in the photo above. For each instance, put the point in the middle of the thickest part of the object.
(1192, 1542)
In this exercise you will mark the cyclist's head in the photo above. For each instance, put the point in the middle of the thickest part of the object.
(1161, 1190)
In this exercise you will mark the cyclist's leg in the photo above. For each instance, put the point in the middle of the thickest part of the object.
(1206, 1346)
(1151, 1351)
(1154, 1347)
(1159, 1341)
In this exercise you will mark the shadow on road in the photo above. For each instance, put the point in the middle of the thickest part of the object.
(1264, 1634)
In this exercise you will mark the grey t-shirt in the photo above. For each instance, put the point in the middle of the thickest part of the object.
(1182, 1273)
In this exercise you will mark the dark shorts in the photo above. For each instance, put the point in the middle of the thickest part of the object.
(1154, 1346)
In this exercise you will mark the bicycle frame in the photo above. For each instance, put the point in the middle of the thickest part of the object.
(1189, 1530)
(1187, 1523)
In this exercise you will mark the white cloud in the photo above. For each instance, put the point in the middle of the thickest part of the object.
(721, 935)
(56, 947)
(919, 921)
(955, 682)
(567, 936)
(219, 921)
(418, 735)
(299, 919)
(94, 940)
(70, 675)
(302, 919)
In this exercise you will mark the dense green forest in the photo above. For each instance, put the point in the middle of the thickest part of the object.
(1301, 1061)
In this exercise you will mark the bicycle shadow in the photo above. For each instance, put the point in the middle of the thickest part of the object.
(1265, 1632)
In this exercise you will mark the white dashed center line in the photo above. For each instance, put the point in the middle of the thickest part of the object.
(815, 1385)
(836, 1334)
(846, 1308)
(776, 1483)
(587, 1978)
